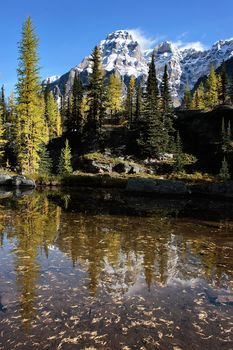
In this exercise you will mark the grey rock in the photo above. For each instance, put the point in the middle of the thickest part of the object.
(155, 186)
(19, 181)
(4, 179)
(135, 169)
(122, 168)
(95, 167)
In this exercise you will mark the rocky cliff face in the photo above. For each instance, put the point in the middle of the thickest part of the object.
(122, 55)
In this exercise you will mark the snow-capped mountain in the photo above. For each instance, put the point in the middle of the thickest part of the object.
(122, 55)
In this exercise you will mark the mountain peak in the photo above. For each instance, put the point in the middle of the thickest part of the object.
(122, 55)
(166, 47)
(119, 34)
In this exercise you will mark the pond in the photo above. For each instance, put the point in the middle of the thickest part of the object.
(96, 269)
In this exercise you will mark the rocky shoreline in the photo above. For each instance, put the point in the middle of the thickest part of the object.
(134, 185)
(16, 181)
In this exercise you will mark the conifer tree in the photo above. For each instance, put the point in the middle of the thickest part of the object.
(153, 137)
(138, 109)
(2, 137)
(179, 162)
(75, 120)
(212, 90)
(11, 108)
(165, 93)
(3, 105)
(224, 173)
(130, 101)
(45, 163)
(223, 83)
(114, 95)
(65, 166)
(53, 116)
(201, 97)
(198, 101)
(226, 137)
(231, 90)
(31, 123)
(167, 110)
(152, 85)
(97, 100)
(187, 101)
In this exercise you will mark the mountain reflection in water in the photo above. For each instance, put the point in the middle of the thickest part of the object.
(105, 270)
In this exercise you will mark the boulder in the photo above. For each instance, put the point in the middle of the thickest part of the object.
(156, 186)
(135, 169)
(95, 167)
(4, 180)
(19, 181)
(122, 168)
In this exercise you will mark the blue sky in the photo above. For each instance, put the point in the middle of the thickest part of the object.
(69, 29)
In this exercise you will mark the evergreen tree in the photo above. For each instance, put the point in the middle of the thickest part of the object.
(167, 110)
(11, 130)
(153, 137)
(65, 167)
(67, 112)
(53, 116)
(198, 101)
(3, 105)
(138, 109)
(30, 123)
(179, 159)
(231, 90)
(152, 85)
(74, 122)
(224, 173)
(114, 95)
(2, 137)
(226, 137)
(130, 101)
(187, 101)
(45, 163)
(223, 83)
(212, 90)
(11, 109)
(165, 93)
(97, 100)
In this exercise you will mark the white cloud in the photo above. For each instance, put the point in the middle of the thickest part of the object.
(196, 45)
(143, 39)
(147, 42)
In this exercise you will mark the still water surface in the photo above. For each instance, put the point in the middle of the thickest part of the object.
(101, 270)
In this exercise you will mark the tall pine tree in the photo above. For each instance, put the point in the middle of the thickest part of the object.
(212, 95)
(223, 83)
(130, 101)
(65, 166)
(30, 113)
(167, 109)
(3, 105)
(74, 122)
(53, 116)
(187, 101)
(153, 137)
(97, 101)
(114, 95)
